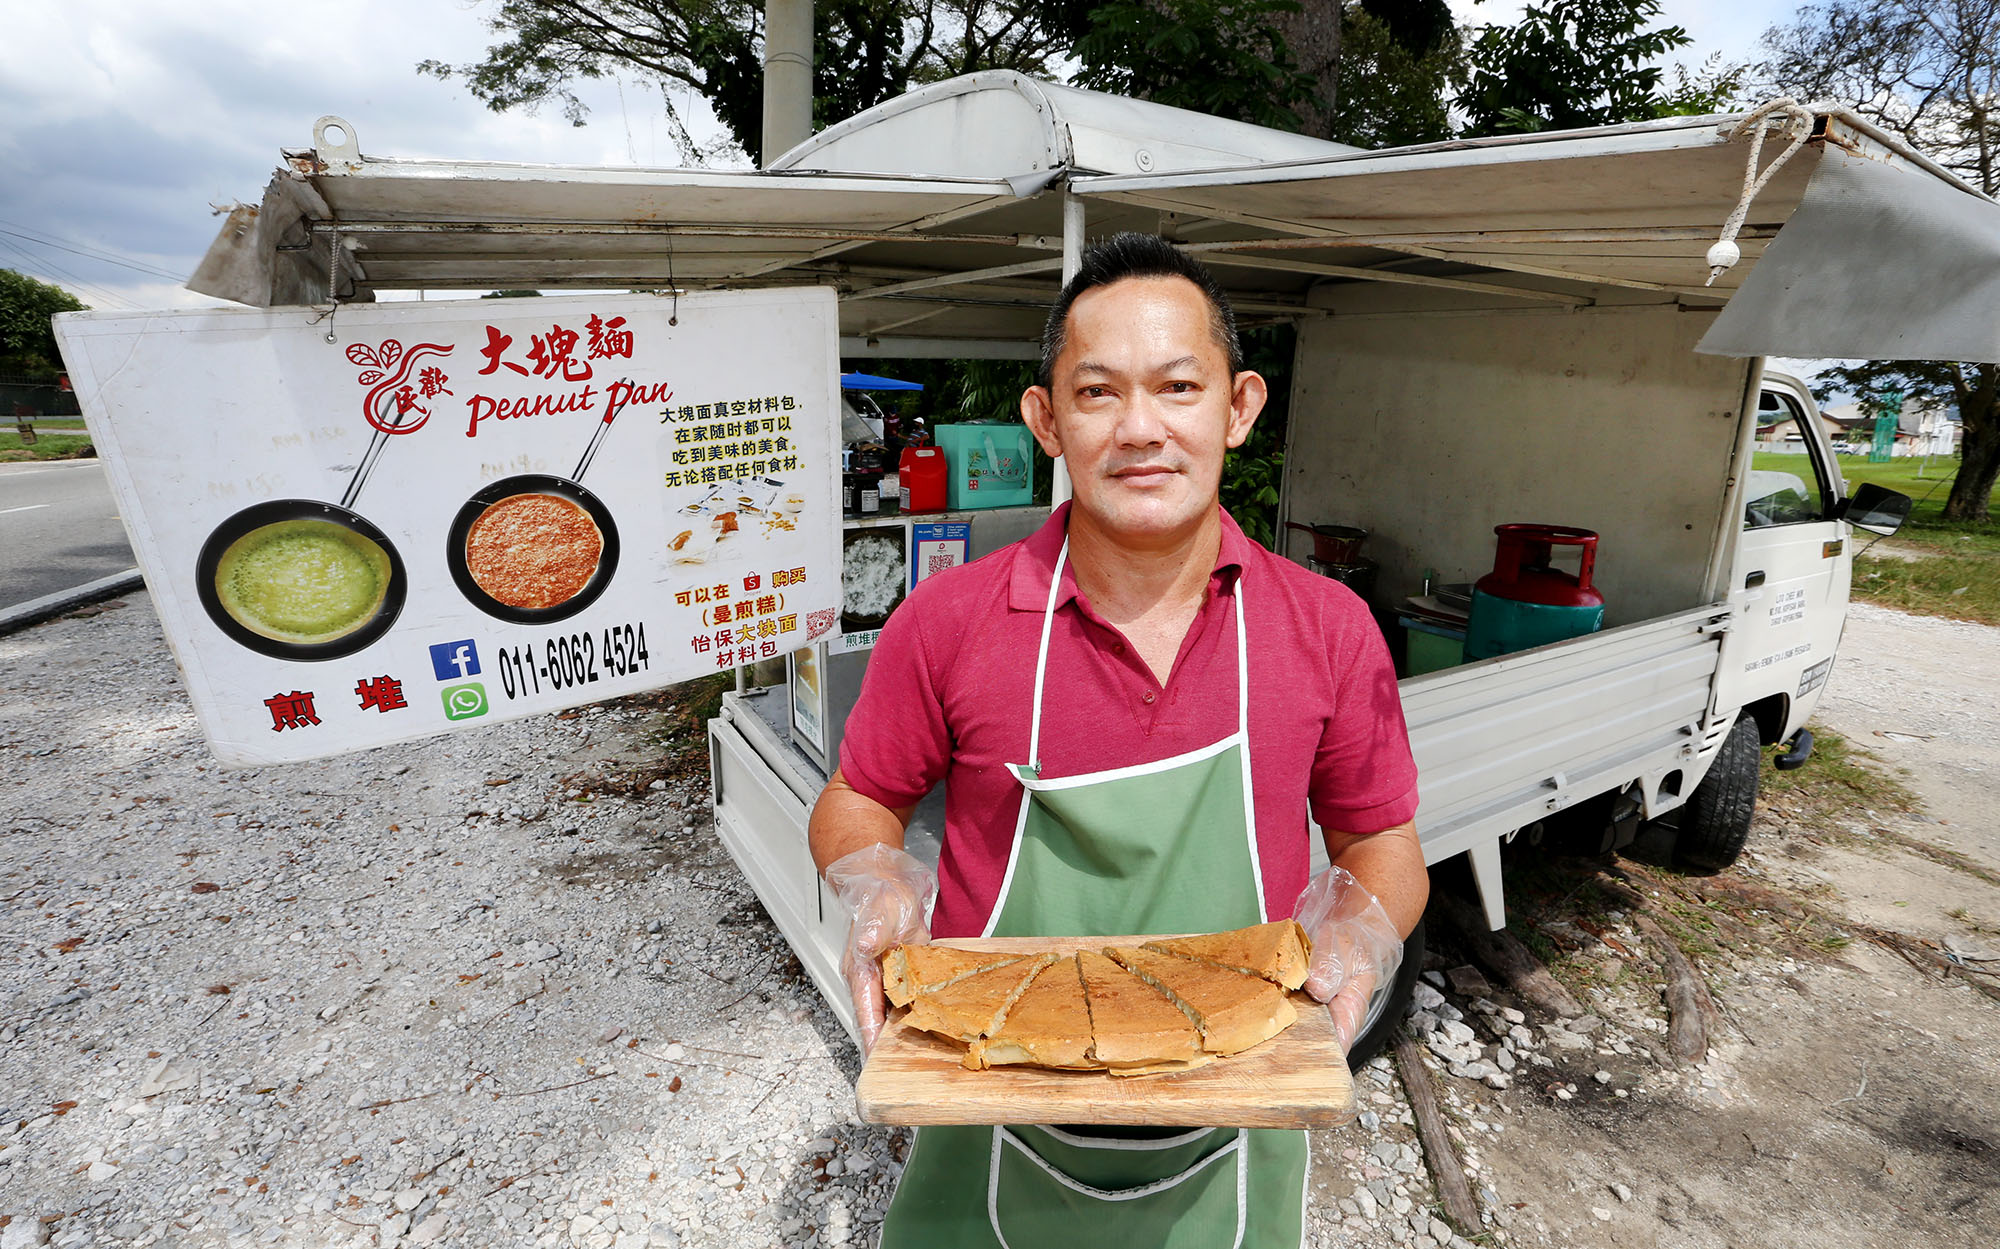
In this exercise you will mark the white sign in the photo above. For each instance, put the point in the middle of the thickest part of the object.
(465, 512)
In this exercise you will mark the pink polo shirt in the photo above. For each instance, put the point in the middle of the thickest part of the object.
(950, 688)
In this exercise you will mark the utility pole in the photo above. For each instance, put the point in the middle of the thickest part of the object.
(788, 76)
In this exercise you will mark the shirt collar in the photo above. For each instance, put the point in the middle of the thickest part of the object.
(1036, 562)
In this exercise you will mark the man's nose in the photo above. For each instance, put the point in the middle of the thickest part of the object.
(1141, 423)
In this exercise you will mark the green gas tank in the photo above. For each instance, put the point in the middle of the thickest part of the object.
(1524, 602)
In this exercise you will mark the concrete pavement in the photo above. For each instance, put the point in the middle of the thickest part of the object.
(59, 529)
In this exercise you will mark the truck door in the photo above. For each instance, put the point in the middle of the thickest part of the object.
(1792, 565)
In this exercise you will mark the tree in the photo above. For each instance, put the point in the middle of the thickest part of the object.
(1570, 64)
(1143, 48)
(864, 52)
(1928, 71)
(1394, 93)
(27, 340)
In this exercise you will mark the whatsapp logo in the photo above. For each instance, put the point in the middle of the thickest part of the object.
(463, 702)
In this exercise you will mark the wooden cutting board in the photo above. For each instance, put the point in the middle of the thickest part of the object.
(1297, 1079)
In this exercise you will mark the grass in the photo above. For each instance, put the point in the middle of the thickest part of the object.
(47, 445)
(1938, 567)
(1958, 587)
(1837, 781)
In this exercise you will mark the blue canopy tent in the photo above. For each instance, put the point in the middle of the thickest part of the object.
(868, 381)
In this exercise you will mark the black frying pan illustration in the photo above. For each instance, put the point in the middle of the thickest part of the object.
(303, 579)
(549, 583)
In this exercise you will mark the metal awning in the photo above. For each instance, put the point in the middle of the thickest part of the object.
(965, 261)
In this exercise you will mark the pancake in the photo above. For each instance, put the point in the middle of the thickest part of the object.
(304, 581)
(975, 1006)
(910, 971)
(1048, 1027)
(1134, 1028)
(1232, 1010)
(1277, 951)
(533, 551)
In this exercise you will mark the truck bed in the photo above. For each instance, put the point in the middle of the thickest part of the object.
(1499, 745)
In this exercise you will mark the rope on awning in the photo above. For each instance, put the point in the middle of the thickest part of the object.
(1723, 256)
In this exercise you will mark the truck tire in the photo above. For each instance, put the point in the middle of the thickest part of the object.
(1715, 822)
(1386, 1010)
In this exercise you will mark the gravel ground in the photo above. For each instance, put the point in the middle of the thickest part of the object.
(427, 994)
(436, 995)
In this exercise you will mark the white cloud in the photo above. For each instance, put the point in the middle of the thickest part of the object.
(121, 121)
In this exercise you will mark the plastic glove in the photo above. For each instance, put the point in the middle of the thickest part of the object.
(887, 894)
(1355, 949)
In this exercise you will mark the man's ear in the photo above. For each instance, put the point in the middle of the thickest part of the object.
(1038, 410)
(1246, 399)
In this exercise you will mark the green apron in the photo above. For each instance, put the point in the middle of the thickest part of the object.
(1159, 847)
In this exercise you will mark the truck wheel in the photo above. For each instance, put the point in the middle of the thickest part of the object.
(1716, 820)
(1386, 1010)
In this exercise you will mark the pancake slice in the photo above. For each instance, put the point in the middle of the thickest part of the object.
(910, 971)
(1277, 951)
(1048, 1027)
(975, 1006)
(1134, 1029)
(1232, 1009)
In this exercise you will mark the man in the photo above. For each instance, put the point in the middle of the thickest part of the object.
(1134, 709)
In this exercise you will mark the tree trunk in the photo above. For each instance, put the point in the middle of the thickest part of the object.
(1979, 453)
(1313, 35)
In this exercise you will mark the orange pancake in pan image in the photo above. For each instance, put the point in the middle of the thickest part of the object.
(533, 550)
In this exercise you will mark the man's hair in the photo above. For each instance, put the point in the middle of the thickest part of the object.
(1134, 255)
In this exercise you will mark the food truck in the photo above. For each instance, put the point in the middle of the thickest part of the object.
(1560, 330)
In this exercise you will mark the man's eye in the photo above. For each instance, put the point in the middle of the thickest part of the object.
(1180, 388)
(1093, 392)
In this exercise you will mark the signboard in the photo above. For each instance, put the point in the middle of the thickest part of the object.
(808, 682)
(936, 547)
(466, 512)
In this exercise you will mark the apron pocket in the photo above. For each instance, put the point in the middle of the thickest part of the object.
(1032, 1205)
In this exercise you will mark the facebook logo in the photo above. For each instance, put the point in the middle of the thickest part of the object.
(454, 661)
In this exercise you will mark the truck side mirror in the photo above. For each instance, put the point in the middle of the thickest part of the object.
(1875, 509)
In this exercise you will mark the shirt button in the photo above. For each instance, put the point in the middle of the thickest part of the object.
(1118, 648)
(1147, 698)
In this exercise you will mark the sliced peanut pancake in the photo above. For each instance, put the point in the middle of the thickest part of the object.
(976, 1006)
(910, 971)
(1234, 1011)
(1277, 951)
(1132, 1024)
(1048, 1027)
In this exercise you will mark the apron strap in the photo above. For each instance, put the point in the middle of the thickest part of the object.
(1042, 660)
(1042, 664)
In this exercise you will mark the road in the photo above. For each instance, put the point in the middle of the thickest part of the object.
(58, 528)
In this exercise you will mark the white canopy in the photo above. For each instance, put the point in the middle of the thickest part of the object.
(940, 217)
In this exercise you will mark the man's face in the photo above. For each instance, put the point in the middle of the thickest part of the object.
(1142, 408)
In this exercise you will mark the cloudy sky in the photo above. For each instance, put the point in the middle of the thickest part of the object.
(123, 121)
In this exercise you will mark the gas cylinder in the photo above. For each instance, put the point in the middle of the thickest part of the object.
(1524, 602)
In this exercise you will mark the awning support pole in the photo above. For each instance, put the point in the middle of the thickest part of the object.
(1072, 260)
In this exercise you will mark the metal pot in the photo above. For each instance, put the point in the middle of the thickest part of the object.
(1333, 544)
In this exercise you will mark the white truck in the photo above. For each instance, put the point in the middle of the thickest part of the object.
(1517, 329)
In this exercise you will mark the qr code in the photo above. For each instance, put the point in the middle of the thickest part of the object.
(820, 622)
(937, 563)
